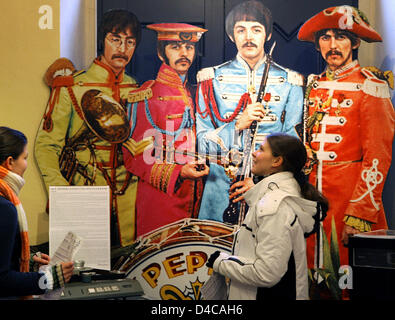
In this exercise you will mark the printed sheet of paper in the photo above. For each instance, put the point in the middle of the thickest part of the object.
(85, 211)
(64, 253)
(67, 249)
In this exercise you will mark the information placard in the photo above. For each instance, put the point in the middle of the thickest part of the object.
(84, 210)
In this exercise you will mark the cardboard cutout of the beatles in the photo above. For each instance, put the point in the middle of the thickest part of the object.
(89, 117)
(227, 106)
(349, 129)
(173, 247)
(166, 155)
(78, 142)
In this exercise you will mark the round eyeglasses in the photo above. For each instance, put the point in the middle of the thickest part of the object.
(117, 41)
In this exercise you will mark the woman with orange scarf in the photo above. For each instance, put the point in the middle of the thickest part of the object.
(15, 259)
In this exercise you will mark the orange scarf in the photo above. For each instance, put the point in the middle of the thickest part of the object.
(10, 185)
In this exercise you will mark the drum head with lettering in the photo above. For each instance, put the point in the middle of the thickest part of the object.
(170, 262)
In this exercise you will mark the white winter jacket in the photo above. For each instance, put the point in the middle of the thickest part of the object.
(273, 229)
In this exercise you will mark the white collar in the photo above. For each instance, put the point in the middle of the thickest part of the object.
(268, 183)
(247, 66)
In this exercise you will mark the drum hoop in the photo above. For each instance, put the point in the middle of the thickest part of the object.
(146, 247)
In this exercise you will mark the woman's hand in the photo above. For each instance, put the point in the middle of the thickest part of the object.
(67, 270)
(212, 258)
(41, 259)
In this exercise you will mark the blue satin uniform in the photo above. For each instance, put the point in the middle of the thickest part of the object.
(229, 82)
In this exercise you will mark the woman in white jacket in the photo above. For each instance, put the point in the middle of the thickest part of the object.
(269, 251)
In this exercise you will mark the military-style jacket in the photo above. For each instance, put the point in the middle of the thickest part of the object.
(162, 140)
(350, 131)
(102, 160)
(215, 127)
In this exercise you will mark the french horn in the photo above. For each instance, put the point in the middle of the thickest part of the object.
(104, 119)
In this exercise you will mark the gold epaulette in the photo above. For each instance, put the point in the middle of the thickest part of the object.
(387, 76)
(142, 93)
(375, 86)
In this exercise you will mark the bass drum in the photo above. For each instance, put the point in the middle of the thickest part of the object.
(170, 262)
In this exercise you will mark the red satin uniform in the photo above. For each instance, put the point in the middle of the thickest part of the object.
(351, 121)
(163, 110)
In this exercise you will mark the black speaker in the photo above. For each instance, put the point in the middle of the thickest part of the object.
(372, 259)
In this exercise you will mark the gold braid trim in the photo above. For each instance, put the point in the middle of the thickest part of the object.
(140, 95)
(169, 83)
(357, 223)
(162, 174)
(158, 175)
(153, 174)
(169, 172)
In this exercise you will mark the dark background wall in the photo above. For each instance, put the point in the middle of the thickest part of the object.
(215, 46)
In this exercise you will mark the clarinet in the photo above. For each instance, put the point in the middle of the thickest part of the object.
(236, 211)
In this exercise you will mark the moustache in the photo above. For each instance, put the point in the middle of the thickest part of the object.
(182, 60)
(249, 44)
(333, 52)
(119, 56)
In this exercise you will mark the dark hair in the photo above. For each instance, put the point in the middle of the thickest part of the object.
(352, 36)
(119, 20)
(249, 11)
(161, 45)
(12, 143)
(294, 155)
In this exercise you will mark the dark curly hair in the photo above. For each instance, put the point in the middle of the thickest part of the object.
(249, 11)
(119, 20)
